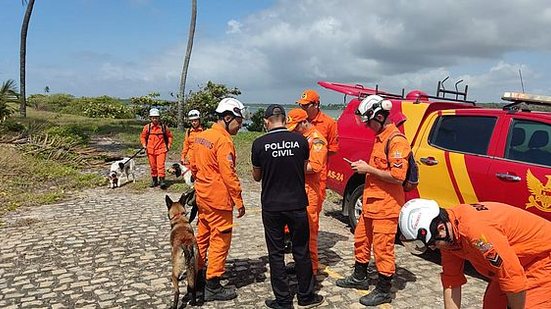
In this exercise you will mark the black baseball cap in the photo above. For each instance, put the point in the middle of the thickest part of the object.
(274, 109)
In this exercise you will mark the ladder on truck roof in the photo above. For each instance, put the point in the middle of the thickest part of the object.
(518, 98)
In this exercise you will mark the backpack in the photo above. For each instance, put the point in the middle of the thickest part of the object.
(412, 174)
(165, 136)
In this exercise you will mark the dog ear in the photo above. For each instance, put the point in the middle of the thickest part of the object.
(121, 165)
(168, 201)
(182, 199)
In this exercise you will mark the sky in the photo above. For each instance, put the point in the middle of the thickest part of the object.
(274, 49)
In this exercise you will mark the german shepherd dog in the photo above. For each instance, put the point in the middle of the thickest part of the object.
(184, 247)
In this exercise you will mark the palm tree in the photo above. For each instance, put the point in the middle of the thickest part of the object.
(183, 77)
(8, 94)
(22, 55)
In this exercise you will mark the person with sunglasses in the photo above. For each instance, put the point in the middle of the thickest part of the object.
(508, 245)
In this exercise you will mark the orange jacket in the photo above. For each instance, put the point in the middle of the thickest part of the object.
(501, 241)
(156, 144)
(189, 138)
(327, 126)
(317, 159)
(213, 166)
(386, 198)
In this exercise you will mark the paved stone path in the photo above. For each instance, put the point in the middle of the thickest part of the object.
(110, 249)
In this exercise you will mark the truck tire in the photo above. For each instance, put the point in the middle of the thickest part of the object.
(355, 206)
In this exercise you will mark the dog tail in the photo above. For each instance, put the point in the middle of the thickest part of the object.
(191, 253)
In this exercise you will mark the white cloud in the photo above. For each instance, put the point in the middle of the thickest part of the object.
(233, 27)
(273, 54)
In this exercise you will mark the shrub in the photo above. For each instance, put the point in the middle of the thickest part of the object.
(8, 94)
(70, 134)
(257, 121)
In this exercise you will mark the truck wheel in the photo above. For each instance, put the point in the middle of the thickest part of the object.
(355, 206)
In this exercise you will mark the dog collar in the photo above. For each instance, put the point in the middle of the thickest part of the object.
(176, 216)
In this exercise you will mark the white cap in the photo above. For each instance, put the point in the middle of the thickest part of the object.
(371, 106)
(154, 112)
(415, 219)
(231, 105)
(193, 114)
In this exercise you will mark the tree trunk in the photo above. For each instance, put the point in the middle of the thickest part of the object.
(22, 55)
(183, 77)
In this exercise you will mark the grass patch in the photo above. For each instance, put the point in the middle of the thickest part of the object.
(31, 181)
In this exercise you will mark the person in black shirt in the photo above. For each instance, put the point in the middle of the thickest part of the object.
(279, 159)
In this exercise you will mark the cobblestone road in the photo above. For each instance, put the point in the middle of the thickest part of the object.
(110, 249)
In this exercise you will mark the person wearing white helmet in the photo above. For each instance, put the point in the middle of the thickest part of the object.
(218, 192)
(508, 245)
(156, 138)
(194, 117)
(383, 196)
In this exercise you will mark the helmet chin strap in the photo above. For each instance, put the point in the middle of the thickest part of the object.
(381, 122)
(227, 123)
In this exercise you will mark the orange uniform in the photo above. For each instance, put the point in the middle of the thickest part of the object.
(317, 161)
(382, 202)
(510, 246)
(156, 147)
(217, 190)
(189, 139)
(327, 126)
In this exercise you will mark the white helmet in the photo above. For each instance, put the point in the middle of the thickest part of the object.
(415, 219)
(231, 105)
(154, 112)
(193, 114)
(371, 106)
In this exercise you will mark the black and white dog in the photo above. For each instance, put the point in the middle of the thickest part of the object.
(121, 168)
(180, 170)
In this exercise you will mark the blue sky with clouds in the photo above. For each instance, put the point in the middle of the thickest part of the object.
(273, 49)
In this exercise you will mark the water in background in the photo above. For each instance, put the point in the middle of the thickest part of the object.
(334, 113)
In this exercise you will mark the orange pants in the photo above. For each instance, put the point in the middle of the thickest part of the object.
(157, 164)
(538, 294)
(214, 233)
(313, 212)
(379, 233)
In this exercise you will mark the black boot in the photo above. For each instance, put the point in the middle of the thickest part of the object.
(381, 293)
(154, 182)
(358, 279)
(162, 183)
(215, 291)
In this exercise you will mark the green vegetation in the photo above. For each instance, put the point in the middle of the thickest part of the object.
(257, 121)
(8, 96)
(97, 107)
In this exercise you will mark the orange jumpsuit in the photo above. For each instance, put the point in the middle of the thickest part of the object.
(156, 148)
(217, 191)
(327, 126)
(189, 138)
(317, 161)
(508, 245)
(382, 202)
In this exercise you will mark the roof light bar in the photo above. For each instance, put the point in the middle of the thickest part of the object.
(525, 97)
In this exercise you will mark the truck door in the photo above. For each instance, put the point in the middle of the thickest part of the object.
(452, 151)
(520, 175)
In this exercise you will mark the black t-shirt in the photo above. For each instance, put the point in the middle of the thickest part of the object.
(281, 155)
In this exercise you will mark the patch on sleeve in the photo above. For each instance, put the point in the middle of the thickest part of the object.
(397, 155)
(230, 159)
(488, 251)
(318, 144)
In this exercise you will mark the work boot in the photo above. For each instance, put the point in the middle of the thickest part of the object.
(358, 279)
(162, 183)
(215, 291)
(381, 293)
(154, 182)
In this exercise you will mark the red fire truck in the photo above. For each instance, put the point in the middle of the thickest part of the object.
(466, 153)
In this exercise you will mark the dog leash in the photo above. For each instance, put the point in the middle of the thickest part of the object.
(134, 155)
